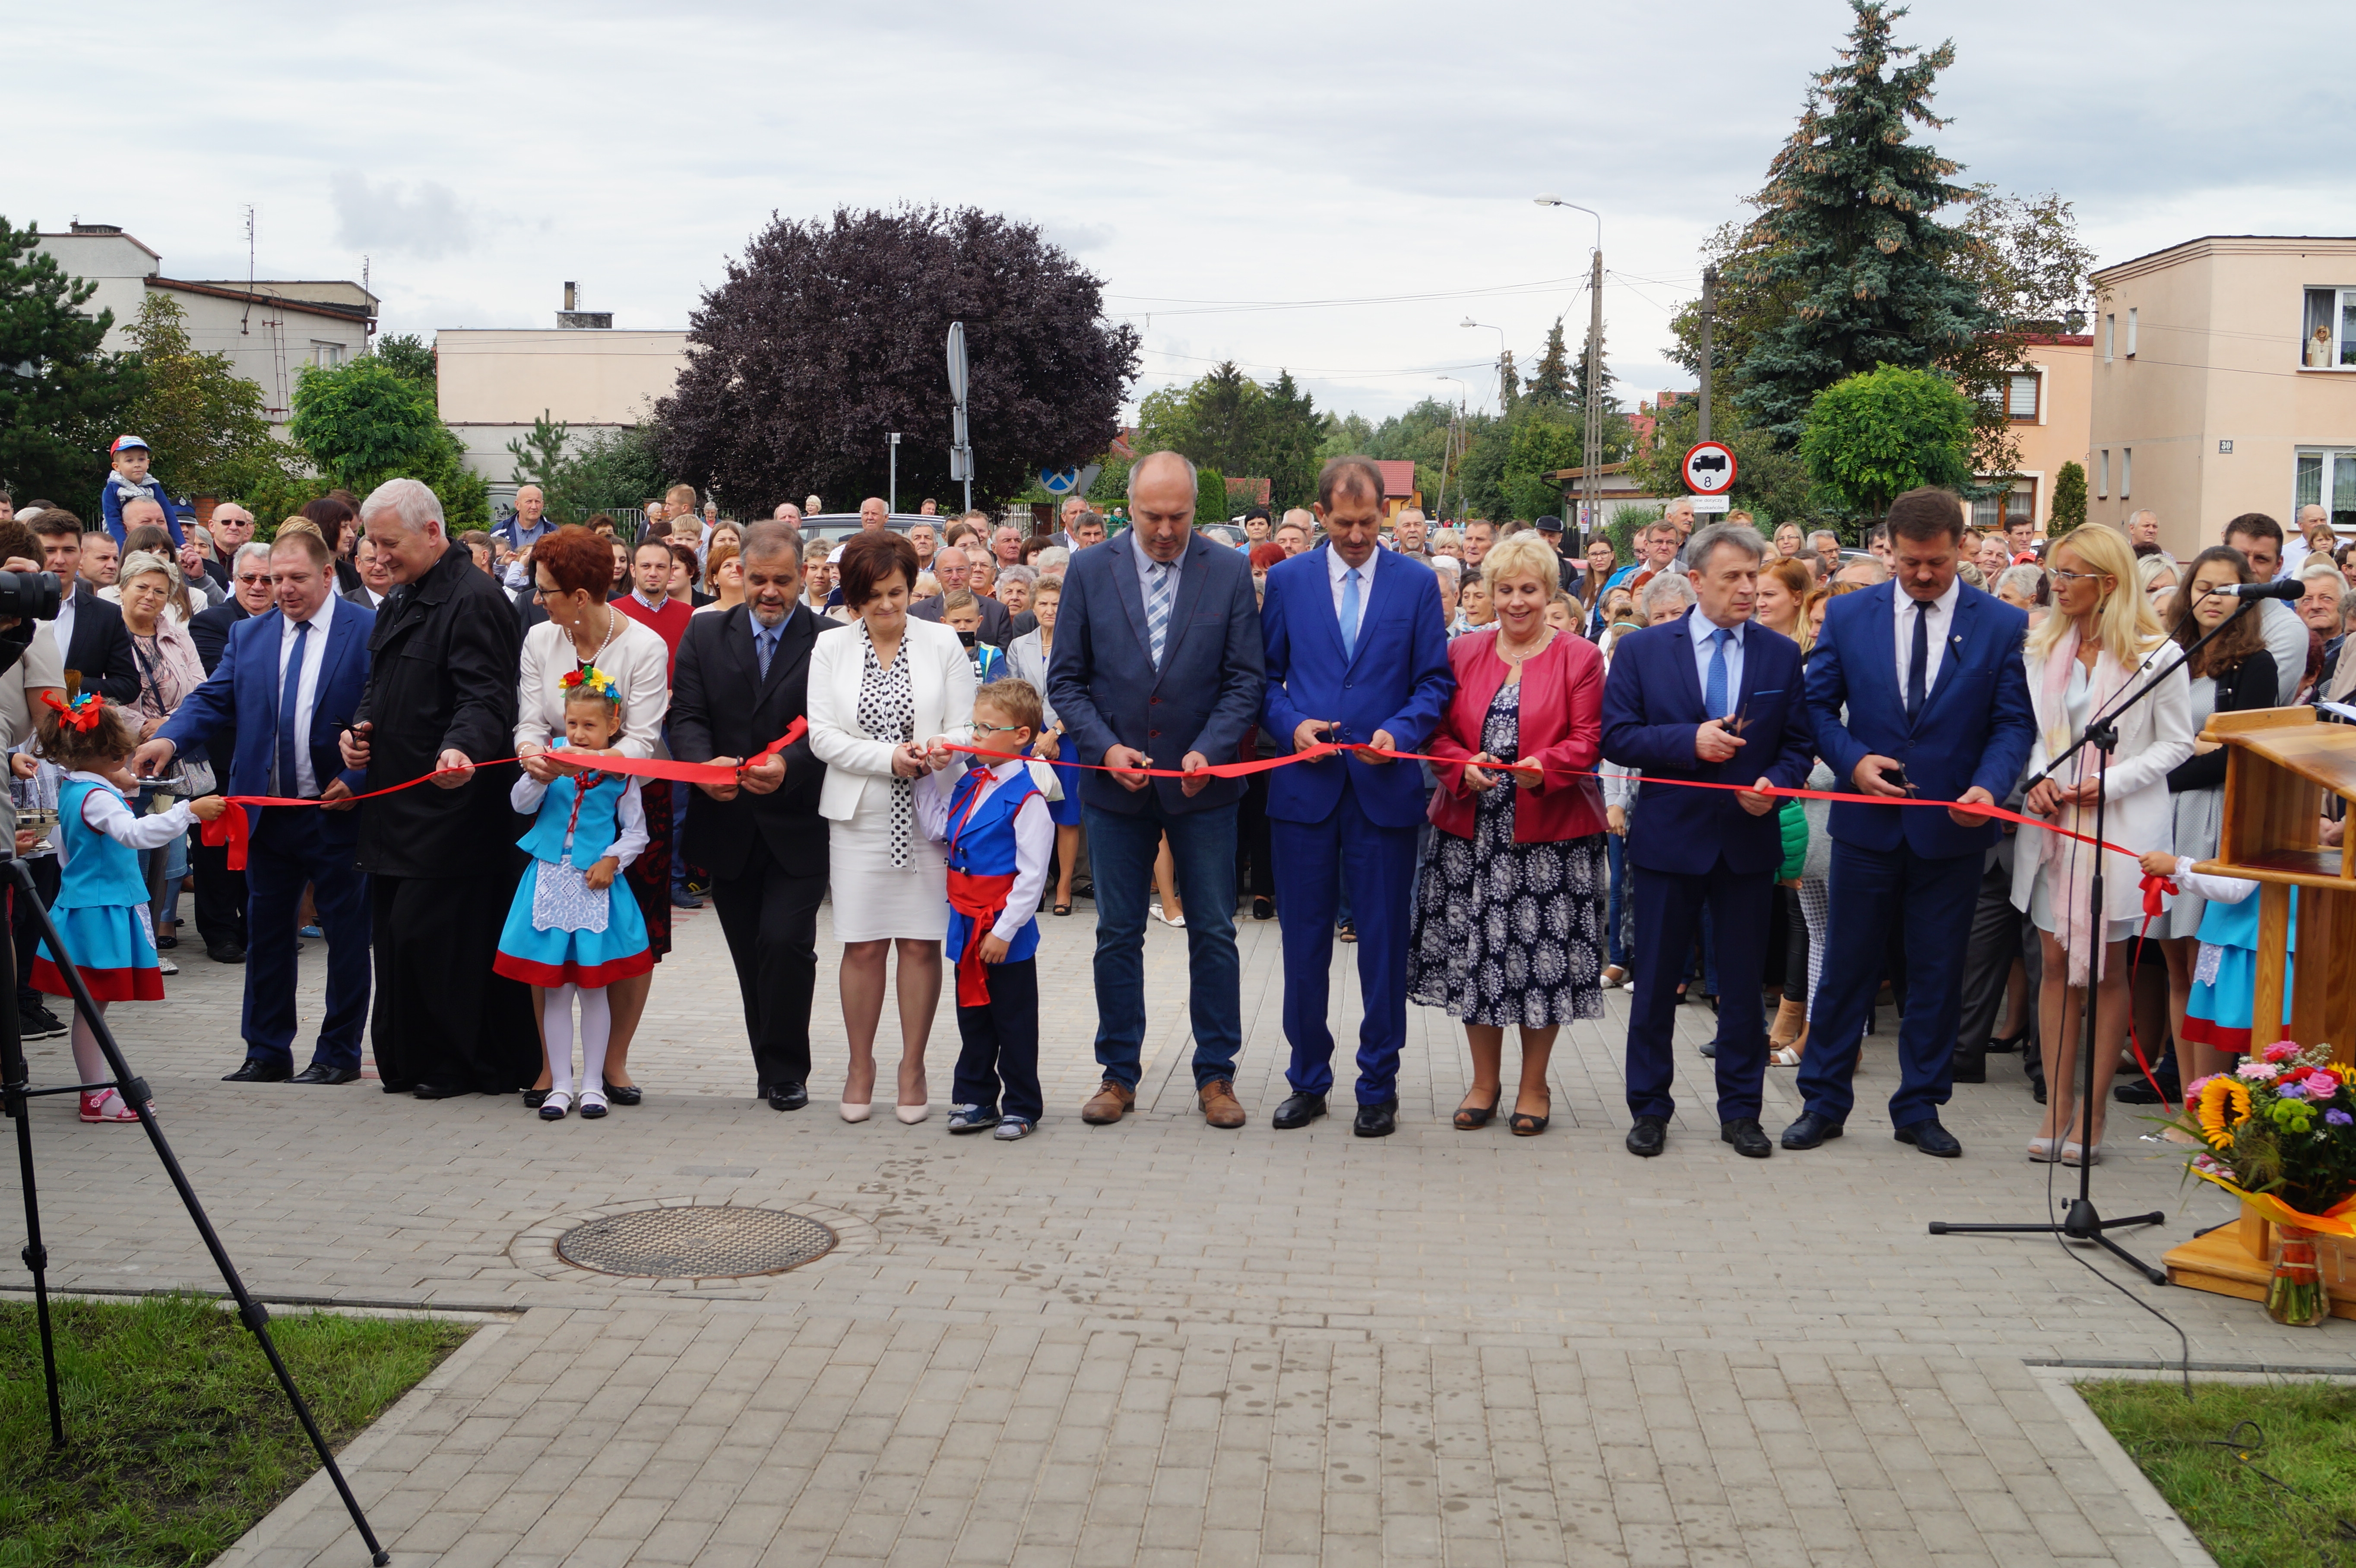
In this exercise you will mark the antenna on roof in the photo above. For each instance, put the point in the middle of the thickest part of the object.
(248, 317)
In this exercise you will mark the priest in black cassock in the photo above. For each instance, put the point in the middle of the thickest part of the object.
(442, 858)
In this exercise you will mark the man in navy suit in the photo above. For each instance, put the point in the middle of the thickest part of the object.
(1356, 651)
(1711, 697)
(289, 682)
(220, 892)
(1916, 687)
(1157, 663)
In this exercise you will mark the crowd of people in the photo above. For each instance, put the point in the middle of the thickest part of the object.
(1529, 771)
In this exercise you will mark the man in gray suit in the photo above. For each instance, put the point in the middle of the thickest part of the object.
(1157, 663)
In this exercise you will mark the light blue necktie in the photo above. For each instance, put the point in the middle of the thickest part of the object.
(1713, 697)
(1157, 610)
(1350, 613)
(765, 645)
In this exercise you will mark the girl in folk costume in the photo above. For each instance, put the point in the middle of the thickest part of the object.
(101, 909)
(2221, 1014)
(566, 932)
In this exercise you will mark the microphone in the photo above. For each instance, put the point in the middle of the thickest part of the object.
(2282, 588)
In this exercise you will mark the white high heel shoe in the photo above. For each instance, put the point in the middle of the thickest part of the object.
(912, 1115)
(852, 1112)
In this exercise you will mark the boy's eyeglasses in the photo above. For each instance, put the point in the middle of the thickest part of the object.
(999, 729)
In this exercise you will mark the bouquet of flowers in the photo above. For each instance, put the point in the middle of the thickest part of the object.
(2280, 1132)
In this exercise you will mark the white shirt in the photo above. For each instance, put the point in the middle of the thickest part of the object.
(629, 819)
(64, 625)
(1034, 837)
(306, 688)
(103, 809)
(1337, 571)
(1942, 612)
(1700, 627)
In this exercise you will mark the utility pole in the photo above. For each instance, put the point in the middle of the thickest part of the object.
(1592, 457)
(892, 441)
(1709, 310)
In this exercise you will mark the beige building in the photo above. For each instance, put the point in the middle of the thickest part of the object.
(2049, 399)
(269, 329)
(494, 383)
(2224, 382)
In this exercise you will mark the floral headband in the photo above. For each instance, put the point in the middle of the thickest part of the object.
(591, 681)
(85, 712)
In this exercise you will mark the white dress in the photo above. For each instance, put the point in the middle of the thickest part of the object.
(889, 880)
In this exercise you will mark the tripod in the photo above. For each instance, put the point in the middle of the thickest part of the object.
(16, 1089)
(2082, 1221)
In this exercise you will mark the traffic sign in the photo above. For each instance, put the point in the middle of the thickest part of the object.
(1710, 468)
(1059, 481)
(1712, 502)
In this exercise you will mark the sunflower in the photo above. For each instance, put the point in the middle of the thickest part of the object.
(2215, 1096)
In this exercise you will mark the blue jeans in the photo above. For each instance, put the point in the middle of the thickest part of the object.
(1121, 855)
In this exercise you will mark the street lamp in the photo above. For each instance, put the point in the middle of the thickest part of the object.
(1591, 453)
(1448, 452)
(1505, 393)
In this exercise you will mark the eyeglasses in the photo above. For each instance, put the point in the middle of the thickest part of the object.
(999, 729)
(250, 578)
(2060, 576)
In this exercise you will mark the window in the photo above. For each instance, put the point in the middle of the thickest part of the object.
(2327, 478)
(2021, 395)
(2102, 471)
(2110, 334)
(2131, 333)
(327, 356)
(2127, 472)
(2328, 336)
(1992, 513)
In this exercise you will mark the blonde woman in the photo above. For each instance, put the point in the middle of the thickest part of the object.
(1784, 589)
(2100, 639)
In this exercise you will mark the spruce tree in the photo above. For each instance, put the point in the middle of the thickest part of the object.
(1551, 382)
(1579, 378)
(1850, 231)
(62, 395)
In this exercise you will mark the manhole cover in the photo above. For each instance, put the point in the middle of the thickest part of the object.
(696, 1241)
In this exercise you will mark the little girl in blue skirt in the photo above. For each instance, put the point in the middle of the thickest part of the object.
(566, 932)
(101, 907)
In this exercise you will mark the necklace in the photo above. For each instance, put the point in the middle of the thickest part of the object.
(613, 628)
(1514, 656)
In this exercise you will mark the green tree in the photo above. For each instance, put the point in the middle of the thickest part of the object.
(1344, 435)
(1577, 398)
(364, 422)
(63, 396)
(1875, 435)
(204, 421)
(1226, 420)
(1541, 445)
(410, 355)
(1551, 382)
(1848, 230)
(1210, 495)
(539, 459)
(2069, 500)
(1769, 482)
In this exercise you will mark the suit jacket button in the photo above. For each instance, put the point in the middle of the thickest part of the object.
(1154, 702)
(1154, 734)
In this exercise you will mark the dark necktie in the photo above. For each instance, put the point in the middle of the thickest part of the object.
(1918, 663)
(290, 688)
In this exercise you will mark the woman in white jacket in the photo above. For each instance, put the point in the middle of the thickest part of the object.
(2100, 639)
(882, 689)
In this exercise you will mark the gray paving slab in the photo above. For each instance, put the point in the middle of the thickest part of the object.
(1157, 1342)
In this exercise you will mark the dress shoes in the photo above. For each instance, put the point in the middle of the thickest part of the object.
(1110, 1103)
(1263, 909)
(623, 1094)
(2141, 1093)
(1220, 1106)
(440, 1091)
(1811, 1130)
(1649, 1136)
(253, 1071)
(1299, 1111)
(1931, 1138)
(320, 1073)
(1377, 1120)
(788, 1096)
(1745, 1134)
(1970, 1068)
(224, 952)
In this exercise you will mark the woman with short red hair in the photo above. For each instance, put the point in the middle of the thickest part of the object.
(571, 570)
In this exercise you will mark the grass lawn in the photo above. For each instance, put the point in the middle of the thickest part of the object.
(2304, 1436)
(178, 1439)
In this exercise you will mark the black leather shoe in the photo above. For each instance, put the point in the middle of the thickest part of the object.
(1810, 1130)
(625, 1094)
(788, 1096)
(1710, 1048)
(320, 1073)
(1931, 1138)
(1649, 1136)
(2141, 1093)
(1748, 1138)
(225, 953)
(1299, 1111)
(1263, 909)
(253, 1071)
(1968, 1069)
(439, 1091)
(1377, 1120)
(533, 1099)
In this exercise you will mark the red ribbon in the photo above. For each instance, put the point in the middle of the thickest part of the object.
(230, 827)
(981, 900)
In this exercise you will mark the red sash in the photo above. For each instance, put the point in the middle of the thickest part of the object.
(981, 899)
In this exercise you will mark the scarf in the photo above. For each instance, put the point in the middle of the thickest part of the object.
(2068, 863)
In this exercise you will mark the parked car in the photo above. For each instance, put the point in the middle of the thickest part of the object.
(833, 528)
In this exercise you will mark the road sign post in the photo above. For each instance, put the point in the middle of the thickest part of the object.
(1709, 470)
(960, 452)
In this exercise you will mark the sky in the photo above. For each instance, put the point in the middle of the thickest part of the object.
(1227, 169)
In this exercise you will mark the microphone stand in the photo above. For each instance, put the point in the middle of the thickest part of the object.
(2083, 1222)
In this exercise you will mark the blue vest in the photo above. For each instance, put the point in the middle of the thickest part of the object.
(2236, 925)
(593, 834)
(983, 846)
(99, 873)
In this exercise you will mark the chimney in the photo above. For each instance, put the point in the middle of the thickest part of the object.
(569, 302)
(573, 316)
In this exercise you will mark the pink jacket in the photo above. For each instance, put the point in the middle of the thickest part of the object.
(1561, 728)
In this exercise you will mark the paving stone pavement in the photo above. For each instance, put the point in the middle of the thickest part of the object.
(1159, 1343)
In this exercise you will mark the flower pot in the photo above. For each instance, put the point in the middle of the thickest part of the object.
(2295, 1294)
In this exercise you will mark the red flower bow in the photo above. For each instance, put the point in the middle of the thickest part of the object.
(85, 713)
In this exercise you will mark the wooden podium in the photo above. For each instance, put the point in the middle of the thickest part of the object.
(2283, 763)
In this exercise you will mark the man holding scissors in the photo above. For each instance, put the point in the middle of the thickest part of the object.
(1711, 698)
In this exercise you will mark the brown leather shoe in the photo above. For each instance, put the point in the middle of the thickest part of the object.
(1111, 1103)
(1220, 1106)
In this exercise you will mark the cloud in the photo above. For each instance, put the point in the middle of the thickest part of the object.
(427, 222)
(1079, 238)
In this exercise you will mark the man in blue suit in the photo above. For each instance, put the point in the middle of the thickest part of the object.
(1711, 697)
(288, 683)
(1916, 687)
(1157, 663)
(1356, 651)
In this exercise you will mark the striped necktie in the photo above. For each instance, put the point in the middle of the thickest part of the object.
(1156, 609)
